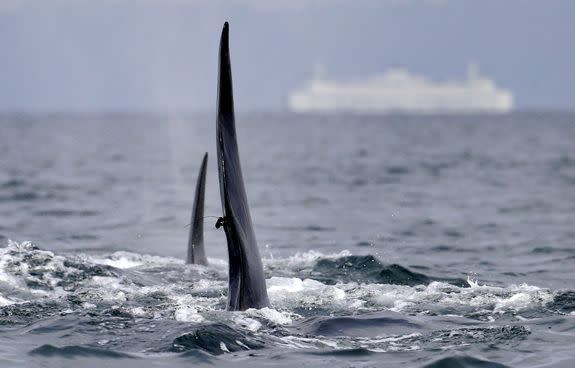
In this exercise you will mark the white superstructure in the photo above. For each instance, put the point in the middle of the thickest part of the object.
(399, 90)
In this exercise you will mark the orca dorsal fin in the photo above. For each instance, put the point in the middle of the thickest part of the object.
(247, 284)
(196, 252)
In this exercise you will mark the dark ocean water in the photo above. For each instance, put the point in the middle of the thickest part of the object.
(415, 241)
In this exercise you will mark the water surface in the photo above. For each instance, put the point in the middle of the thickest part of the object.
(420, 241)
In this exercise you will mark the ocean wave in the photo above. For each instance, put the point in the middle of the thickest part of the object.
(334, 303)
(75, 351)
(463, 362)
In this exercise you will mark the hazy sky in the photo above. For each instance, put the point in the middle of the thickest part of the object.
(161, 55)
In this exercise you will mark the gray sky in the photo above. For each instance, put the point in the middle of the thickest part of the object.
(161, 55)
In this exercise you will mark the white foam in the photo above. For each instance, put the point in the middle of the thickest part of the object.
(125, 260)
(287, 293)
(272, 315)
(299, 342)
(242, 345)
(482, 297)
(195, 299)
(290, 292)
(110, 288)
(283, 284)
(301, 260)
(16, 272)
(5, 301)
(138, 311)
(247, 323)
(223, 347)
(187, 314)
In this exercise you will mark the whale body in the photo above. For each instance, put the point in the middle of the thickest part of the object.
(247, 284)
(196, 252)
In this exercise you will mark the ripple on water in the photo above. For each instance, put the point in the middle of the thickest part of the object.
(66, 213)
(216, 339)
(75, 351)
(564, 301)
(368, 269)
(464, 362)
(128, 302)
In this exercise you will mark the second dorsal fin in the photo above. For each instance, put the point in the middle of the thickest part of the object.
(196, 252)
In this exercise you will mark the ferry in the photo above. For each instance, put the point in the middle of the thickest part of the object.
(398, 90)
